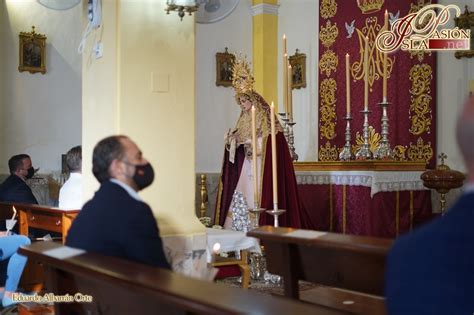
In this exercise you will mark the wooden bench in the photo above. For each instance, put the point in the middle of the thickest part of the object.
(123, 287)
(355, 264)
(40, 217)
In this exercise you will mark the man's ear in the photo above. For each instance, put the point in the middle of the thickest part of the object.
(116, 168)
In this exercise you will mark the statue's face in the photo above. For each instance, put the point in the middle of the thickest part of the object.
(245, 103)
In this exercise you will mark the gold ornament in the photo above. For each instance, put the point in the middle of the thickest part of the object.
(374, 140)
(328, 62)
(328, 8)
(328, 34)
(327, 153)
(420, 112)
(242, 79)
(399, 153)
(370, 6)
(420, 151)
(327, 116)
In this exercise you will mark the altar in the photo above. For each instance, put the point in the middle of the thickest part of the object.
(374, 198)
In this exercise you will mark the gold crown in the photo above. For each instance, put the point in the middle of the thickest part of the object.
(242, 79)
(370, 6)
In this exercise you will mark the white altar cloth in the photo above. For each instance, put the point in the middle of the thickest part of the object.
(378, 181)
(230, 241)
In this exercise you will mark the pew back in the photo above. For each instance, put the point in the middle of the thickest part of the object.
(344, 261)
(124, 287)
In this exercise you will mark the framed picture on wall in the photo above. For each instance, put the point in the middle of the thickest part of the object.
(224, 63)
(32, 52)
(466, 21)
(298, 70)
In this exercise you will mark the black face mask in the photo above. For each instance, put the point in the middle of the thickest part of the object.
(31, 173)
(143, 176)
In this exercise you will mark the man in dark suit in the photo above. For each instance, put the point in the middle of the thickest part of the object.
(431, 271)
(116, 222)
(14, 188)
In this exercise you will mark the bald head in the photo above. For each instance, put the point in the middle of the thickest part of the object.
(465, 133)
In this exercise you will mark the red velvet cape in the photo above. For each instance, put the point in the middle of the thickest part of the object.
(287, 189)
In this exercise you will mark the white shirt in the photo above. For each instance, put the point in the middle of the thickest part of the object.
(129, 189)
(70, 195)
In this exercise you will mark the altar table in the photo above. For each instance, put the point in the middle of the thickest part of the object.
(382, 199)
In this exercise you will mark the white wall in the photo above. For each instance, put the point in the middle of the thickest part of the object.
(216, 109)
(40, 114)
(299, 21)
(453, 83)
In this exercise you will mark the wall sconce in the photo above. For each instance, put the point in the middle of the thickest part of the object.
(182, 7)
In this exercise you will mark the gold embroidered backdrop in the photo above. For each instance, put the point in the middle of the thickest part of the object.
(343, 24)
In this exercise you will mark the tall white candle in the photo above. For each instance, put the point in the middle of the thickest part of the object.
(348, 86)
(274, 157)
(366, 77)
(254, 158)
(290, 92)
(285, 82)
(385, 62)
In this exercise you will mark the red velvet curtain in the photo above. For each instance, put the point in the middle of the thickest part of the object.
(411, 85)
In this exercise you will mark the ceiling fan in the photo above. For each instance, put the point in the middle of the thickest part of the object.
(59, 4)
(211, 11)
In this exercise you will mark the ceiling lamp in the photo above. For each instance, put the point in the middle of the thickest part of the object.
(182, 7)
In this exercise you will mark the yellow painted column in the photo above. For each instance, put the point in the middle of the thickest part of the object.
(265, 48)
(143, 87)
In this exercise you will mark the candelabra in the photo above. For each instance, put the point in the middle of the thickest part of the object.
(289, 135)
(346, 153)
(276, 213)
(383, 150)
(364, 152)
(255, 211)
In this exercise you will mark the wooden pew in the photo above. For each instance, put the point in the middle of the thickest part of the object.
(40, 217)
(123, 287)
(349, 262)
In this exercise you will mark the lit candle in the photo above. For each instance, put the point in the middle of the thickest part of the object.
(285, 81)
(366, 77)
(254, 159)
(274, 158)
(348, 87)
(290, 92)
(385, 63)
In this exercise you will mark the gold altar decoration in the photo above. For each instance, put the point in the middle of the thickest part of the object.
(327, 117)
(360, 165)
(370, 6)
(328, 8)
(371, 30)
(399, 153)
(328, 152)
(328, 34)
(374, 140)
(328, 62)
(420, 112)
(420, 151)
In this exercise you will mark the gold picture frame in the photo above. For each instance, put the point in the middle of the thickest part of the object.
(32, 52)
(298, 70)
(466, 21)
(224, 62)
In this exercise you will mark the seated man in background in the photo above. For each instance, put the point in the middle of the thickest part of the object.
(70, 195)
(14, 188)
(8, 250)
(116, 221)
(431, 271)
